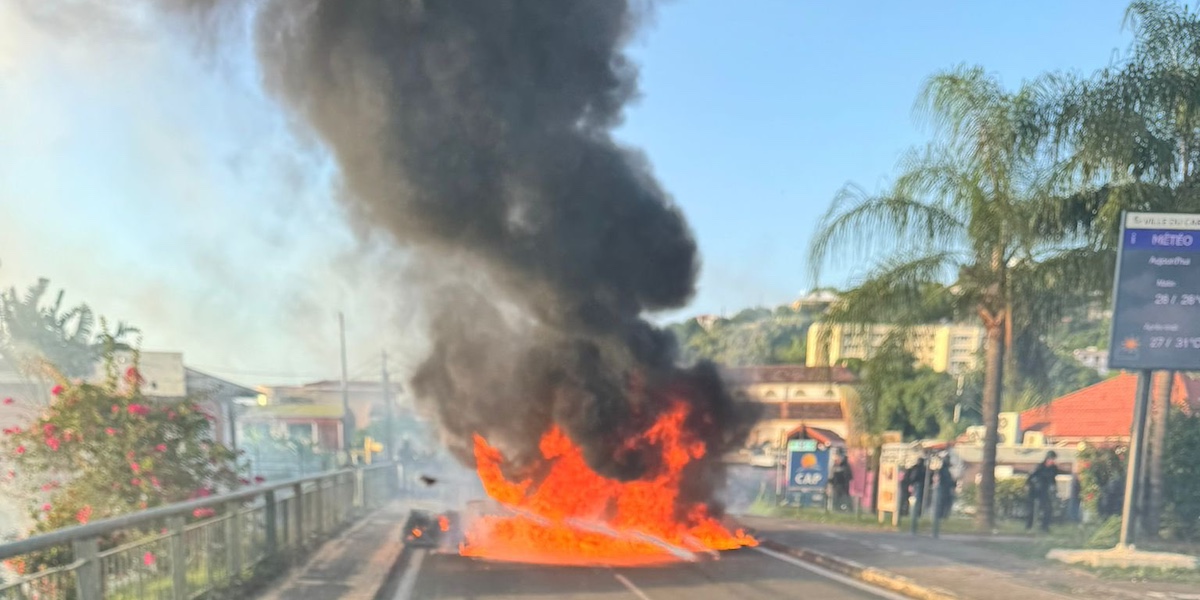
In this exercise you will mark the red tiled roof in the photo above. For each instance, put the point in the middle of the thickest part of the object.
(1103, 410)
(787, 374)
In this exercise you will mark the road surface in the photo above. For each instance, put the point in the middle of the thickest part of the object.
(748, 574)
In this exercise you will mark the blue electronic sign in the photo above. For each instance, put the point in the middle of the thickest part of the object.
(1156, 310)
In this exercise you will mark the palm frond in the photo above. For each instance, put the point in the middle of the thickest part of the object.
(859, 225)
(896, 291)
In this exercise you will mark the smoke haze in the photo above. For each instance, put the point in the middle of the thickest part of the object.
(475, 136)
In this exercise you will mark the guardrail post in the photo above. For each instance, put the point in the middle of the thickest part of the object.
(319, 517)
(179, 565)
(298, 494)
(233, 541)
(272, 517)
(360, 489)
(88, 583)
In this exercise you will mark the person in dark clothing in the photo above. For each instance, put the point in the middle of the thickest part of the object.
(1040, 491)
(839, 482)
(912, 485)
(1075, 499)
(945, 489)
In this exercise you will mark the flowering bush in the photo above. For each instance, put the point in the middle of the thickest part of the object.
(100, 450)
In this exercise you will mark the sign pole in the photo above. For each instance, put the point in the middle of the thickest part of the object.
(1133, 472)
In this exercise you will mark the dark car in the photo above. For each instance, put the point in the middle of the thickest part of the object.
(428, 529)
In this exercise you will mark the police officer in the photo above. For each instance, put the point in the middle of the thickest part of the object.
(1040, 491)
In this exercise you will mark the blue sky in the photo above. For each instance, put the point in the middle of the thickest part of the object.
(170, 193)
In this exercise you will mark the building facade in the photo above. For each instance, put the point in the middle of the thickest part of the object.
(792, 396)
(945, 348)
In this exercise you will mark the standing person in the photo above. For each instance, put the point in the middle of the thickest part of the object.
(945, 488)
(840, 476)
(913, 485)
(1040, 492)
(1073, 500)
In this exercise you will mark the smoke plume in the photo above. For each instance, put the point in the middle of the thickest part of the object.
(477, 134)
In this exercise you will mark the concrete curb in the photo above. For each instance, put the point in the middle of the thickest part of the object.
(876, 577)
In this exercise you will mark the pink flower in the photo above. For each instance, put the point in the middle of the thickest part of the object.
(116, 409)
(244, 481)
(110, 431)
(8, 401)
(132, 375)
(138, 409)
(47, 487)
(135, 482)
(170, 415)
(203, 513)
(136, 468)
(53, 443)
(56, 390)
(259, 479)
(84, 515)
(203, 492)
(129, 455)
(161, 447)
(48, 428)
(46, 507)
(154, 481)
(20, 449)
(148, 559)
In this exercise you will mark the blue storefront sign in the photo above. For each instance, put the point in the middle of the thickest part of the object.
(807, 466)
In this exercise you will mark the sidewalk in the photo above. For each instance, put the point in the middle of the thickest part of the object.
(956, 566)
(352, 566)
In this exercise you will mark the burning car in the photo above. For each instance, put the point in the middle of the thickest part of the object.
(428, 529)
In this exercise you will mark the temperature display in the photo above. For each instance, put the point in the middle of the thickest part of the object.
(1156, 313)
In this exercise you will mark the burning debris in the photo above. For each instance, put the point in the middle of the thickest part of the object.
(476, 134)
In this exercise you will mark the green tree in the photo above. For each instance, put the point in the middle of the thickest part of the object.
(34, 332)
(1181, 476)
(964, 210)
(1130, 137)
(105, 449)
(896, 395)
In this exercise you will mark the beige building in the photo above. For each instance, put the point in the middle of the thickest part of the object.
(948, 348)
(790, 396)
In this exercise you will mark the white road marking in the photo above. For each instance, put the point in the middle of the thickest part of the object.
(633, 588)
(409, 580)
(838, 577)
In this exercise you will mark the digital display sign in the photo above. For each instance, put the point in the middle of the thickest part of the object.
(1156, 310)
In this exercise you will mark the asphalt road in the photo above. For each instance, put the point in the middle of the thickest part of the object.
(748, 574)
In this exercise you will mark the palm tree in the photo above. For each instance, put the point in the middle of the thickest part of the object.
(967, 210)
(1130, 139)
(33, 331)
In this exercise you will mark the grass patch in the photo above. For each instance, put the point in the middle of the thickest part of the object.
(952, 525)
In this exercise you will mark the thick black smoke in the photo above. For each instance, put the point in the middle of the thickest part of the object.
(477, 133)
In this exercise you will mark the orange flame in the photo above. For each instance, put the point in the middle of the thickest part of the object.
(576, 516)
(443, 523)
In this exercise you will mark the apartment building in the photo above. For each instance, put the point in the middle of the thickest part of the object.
(944, 347)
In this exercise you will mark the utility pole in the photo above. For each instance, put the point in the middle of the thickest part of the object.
(347, 416)
(389, 438)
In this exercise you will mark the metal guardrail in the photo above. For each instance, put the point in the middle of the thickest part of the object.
(166, 557)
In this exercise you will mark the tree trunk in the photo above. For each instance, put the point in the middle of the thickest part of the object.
(993, 388)
(1156, 444)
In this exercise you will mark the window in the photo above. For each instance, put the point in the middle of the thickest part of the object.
(300, 432)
